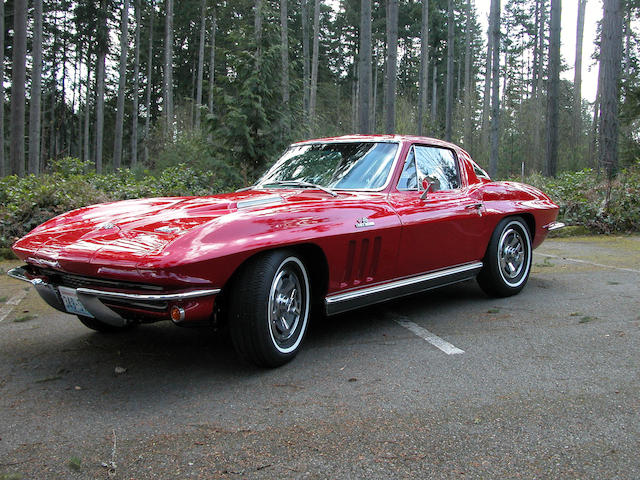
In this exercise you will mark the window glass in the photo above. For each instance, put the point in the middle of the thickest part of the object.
(348, 166)
(438, 165)
(480, 173)
(408, 179)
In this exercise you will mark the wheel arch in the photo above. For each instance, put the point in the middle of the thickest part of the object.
(530, 221)
(314, 259)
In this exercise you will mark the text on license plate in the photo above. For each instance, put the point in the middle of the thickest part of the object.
(71, 302)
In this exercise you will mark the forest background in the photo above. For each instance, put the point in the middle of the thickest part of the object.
(108, 99)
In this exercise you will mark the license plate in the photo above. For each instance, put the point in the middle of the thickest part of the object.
(71, 302)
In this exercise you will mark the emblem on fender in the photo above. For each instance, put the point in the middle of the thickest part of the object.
(106, 226)
(364, 222)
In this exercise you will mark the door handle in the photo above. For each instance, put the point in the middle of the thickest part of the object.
(475, 205)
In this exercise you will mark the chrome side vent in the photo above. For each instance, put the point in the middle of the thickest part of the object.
(362, 260)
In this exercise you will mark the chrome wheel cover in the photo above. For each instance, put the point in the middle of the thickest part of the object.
(288, 308)
(514, 251)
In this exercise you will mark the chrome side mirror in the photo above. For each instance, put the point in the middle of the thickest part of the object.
(426, 186)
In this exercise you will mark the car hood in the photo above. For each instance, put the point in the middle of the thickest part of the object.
(131, 230)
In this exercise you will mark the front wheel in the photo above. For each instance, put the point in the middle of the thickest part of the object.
(269, 308)
(507, 263)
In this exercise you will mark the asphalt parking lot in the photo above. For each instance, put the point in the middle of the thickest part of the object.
(542, 385)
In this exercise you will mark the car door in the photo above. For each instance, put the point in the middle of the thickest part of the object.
(441, 228)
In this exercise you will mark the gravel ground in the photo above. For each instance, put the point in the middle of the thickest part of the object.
(547, 387)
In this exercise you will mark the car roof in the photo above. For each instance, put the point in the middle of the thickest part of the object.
(381, 138)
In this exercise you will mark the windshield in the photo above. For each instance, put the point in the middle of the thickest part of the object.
(347, 166)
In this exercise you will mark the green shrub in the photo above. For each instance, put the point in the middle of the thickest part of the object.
(594, 202)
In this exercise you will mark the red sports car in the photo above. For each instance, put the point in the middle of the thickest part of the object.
(333, 225)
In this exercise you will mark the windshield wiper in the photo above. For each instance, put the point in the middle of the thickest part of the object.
(303, 184)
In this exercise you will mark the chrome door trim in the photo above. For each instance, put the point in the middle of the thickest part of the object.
(378, 293)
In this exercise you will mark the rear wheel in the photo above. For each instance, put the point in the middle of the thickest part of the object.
(507, 262)
(102, 327)
(269, 308)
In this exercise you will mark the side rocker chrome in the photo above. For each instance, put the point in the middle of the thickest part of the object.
(353, 299)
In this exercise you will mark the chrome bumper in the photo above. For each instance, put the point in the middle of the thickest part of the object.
(91, 298)
(554, 226)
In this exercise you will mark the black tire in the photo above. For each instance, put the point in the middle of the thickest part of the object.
(507, 263)
(269, 305)
(102, 327)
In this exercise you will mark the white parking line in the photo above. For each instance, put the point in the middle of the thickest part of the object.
(11, 303)
(425, 334)
(587, 262)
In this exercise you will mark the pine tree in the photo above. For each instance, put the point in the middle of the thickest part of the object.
(284, 56)
(392, 66)
(136, 85)
(203, 30)
(610, 65)
(423, 81)
(3, 167)
(122, 81)
(36, 90)
(314, 65)
(364, 70)
(147, 121)
(18, 80)
(495, 86)
(551, 164)
(168, 67)
(577, 79)
(449, 84)
(102, 45)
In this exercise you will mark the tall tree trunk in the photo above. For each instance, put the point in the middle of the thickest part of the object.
(305, 62)
(536, 52)
(628, 34)
(87, 110)
(392, 66)
(595, 127)
(36, 90)
(136, 86)
(434, 95)
(449, 85)
(577, 79)
(364, 70)
(103, 39)
(61, 138)
(18, 79)
(314, 66)
(486, 101)
(495, 87)
(551, 164)
(539, 74)
(539, 151)
(374, 105)
(610, 63)
(147, 121)
(76, 136)
(122, 83)
(423, 81)
(468, 88)
(168, 67)
(212, 59)
(3, 166)
(284, 55)
(257, 25)
(203, 29)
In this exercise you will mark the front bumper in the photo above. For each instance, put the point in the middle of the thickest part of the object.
(119, 308)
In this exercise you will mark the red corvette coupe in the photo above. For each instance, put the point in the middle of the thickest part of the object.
(333, 225)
